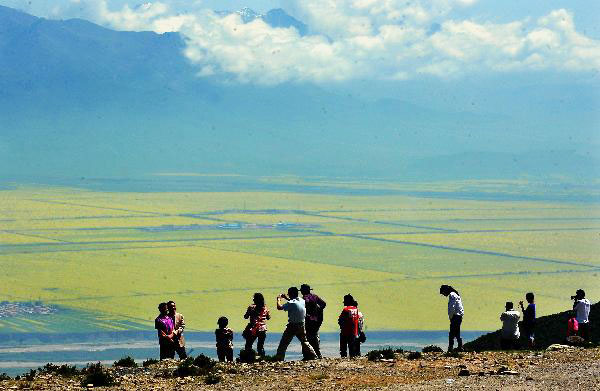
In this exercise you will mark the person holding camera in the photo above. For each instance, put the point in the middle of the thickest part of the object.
(581, 306)
(296, 310)
(528, 324)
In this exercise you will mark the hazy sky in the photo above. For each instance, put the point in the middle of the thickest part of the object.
(380, 40)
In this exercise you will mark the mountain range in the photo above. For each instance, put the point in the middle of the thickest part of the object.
(77, 99)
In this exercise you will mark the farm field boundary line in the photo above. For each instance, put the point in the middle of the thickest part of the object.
(473, 251)
(379, 222)
(145, 241)
(439, 209)
(419, 277)
(95, 206)
(17, 232)
(315, 233)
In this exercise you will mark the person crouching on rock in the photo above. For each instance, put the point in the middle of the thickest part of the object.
(582, 308)
(258, 313)
(510, 327)
(224, 337)
(164, 326)
(455, 313)
(348, 321)
(296, 310)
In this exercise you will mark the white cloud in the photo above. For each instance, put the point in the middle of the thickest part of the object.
(376, 39)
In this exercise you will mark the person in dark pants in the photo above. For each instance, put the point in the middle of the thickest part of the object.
(314, 317)
(224, 337)
(295, 328)
(258, 313)
(164, 326)
(179, 326)
(528, 324)
(455, 313)
(348, 321)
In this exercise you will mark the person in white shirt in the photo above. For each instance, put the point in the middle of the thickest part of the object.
(455, 314)
(582, 310)
(510, 327)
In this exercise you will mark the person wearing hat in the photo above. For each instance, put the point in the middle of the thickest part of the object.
(348, 322)
(296, 314)
(314, 317)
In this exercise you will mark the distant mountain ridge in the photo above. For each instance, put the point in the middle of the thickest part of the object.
(276, 17)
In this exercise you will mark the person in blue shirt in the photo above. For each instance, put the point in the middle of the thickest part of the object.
(528, 324)
(296, 309)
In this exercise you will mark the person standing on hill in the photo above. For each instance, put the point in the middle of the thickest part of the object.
(178, 327)
(510, 327)
(164, 326)
(296, 310)
(258, 313)
(314, 317)
(362, 338)
(455, 313)
(348, 321)
(528, 324)
(582, 308)
(224, 338)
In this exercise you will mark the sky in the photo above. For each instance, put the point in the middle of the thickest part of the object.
(358, 40)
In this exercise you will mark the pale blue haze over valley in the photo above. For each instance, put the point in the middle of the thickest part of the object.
(423, 90)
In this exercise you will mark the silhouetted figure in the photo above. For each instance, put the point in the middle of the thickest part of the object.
(348, 321)
(528, 325)
(296, 310)
(258, 313)
(164, 326)
(224, 337)
(510, 327)
(582, 309)
(314, 317)
(178, 327)
(455, 313)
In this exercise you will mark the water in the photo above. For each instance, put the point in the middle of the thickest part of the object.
(17, 358)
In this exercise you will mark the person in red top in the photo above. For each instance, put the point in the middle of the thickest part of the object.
(258, 313)
(348, 322)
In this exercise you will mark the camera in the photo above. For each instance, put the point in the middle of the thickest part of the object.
(573, 297)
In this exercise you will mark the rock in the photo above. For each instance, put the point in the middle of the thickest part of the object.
(449, 381)
(557, 346)
(448, 366)
(464, 372)
(513, 373)
(501, 370)
(529, 378)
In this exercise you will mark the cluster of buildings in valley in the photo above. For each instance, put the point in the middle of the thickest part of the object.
(14, 309)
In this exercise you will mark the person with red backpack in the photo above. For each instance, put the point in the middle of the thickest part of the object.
(348, 322)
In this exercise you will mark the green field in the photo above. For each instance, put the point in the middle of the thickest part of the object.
(106, 259)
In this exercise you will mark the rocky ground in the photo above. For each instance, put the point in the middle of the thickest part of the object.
(567, 368)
